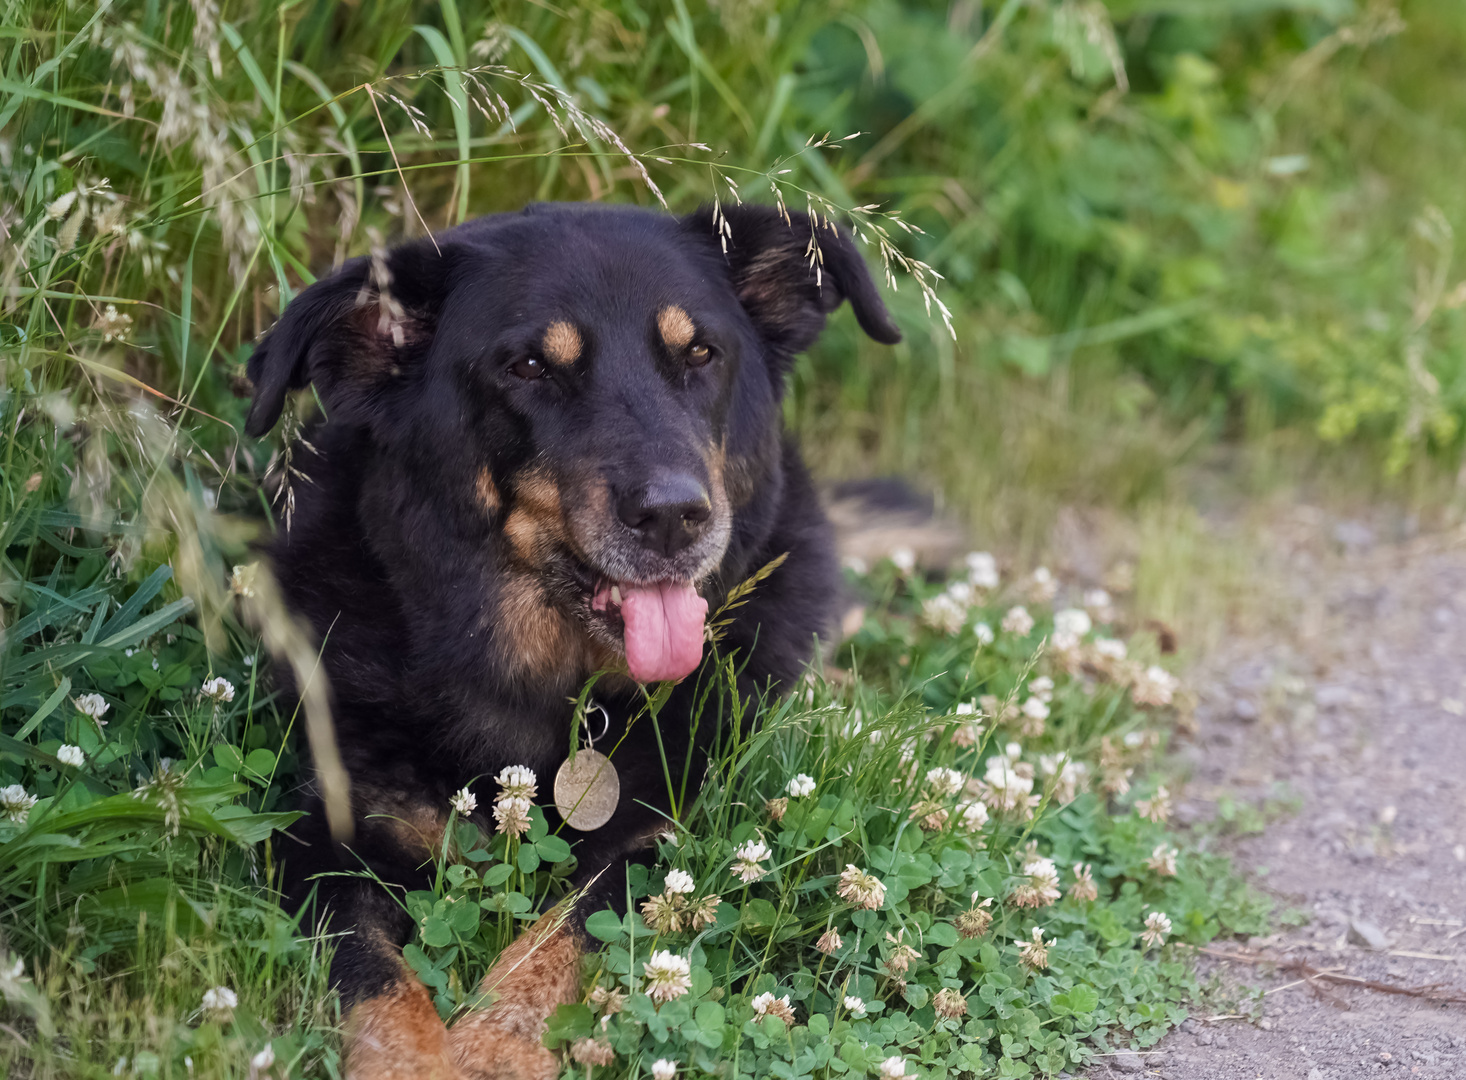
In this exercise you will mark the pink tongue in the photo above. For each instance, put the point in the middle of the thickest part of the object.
(664, 630)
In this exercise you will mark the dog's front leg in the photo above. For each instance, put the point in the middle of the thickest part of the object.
(539, 972)
(396, 1035)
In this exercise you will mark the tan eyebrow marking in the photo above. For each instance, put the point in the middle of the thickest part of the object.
(675, 326)
(562, 343)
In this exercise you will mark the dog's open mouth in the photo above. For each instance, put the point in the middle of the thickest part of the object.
(661, 626)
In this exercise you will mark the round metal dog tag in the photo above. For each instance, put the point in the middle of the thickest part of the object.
(587, 790)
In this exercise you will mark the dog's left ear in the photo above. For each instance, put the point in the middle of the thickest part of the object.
(357, 335)
(789, 273)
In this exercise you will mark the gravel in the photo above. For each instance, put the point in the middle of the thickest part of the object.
(1364, 733)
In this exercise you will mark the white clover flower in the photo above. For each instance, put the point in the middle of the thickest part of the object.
(1013, 751)
(1157, 926)
(664, 1069)
(1035, 709)
(965, 708)
(1157, 808)
(71, 755)
(1040, 886)
(1018, 621)
(961, 593)
(1007, 786)
(218, 690)
(893, 1068)
(746, 860)
(945, 781)
(983, 632)
(762, 1002)
(904, 559)
(1110, 649)
(1042, 585)
(1156, 686)
(93, 705)
(668, 976)
(219, 999)
(15, 804)
(1042, 688)
(856, 565)
(944, 612)
(1163, 860)
(861, 888)
(465, 801)
(679, 882)
(974, 815)
(1072, 621)
(511, 815)
(517, 782)
(854, 1005)
(1134, 740)
(982, 570)
(263, 1060)
(801, 785)
(1034, 954)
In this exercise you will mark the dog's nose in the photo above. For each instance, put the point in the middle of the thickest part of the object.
(669, 513)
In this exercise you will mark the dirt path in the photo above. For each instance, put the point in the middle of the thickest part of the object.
(1352, 717)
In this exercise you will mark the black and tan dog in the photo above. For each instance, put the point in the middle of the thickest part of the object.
(553, 438)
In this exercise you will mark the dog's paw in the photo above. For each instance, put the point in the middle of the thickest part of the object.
(501, 1044)
(398, 1036)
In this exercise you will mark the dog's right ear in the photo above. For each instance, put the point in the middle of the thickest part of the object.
(357, 335)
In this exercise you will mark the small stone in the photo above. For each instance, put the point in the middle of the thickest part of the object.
(1315, 1073)
(1354, 536)
(1385, 1055)
(1266, 1025)
(1368, 934)
(1222, 1042)
(1245, 710)
(1127, 1061)
(1205, 1037)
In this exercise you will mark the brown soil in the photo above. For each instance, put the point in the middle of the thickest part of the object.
(1344, 730)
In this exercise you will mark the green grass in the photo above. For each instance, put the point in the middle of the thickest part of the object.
(1242, 267)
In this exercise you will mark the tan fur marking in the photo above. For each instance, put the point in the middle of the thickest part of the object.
(398, 1036)
(539, 972)
(535, 523)
(488, 492)
(535, 633)
(562, 344)
(675, 326)
(416, 826)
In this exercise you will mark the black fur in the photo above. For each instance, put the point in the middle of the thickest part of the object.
(406, 553)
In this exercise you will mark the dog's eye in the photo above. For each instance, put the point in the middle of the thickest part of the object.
(698, 355)
(528, 367)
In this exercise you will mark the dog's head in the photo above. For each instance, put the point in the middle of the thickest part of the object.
(596, 389)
